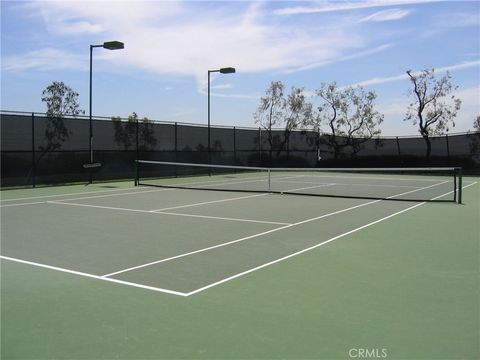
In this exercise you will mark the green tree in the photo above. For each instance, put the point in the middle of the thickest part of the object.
(61, 101)
(350, 116)
(126, 132)
(434, 107)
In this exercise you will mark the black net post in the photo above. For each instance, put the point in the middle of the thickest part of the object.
(460, 185)
(136, 172)
(457, 185)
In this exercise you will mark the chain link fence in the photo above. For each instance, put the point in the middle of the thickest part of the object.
(36, 149)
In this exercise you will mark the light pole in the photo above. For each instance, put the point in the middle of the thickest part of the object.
(109, 45)
(226, 70)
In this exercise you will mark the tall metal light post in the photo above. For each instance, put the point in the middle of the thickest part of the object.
(109, 45)
(226, 70)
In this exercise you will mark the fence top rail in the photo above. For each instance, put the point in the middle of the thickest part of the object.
(173, 123)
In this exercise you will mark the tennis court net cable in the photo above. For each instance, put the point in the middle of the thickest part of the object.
(406, 184)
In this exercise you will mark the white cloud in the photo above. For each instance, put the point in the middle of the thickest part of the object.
(457, 19)
(64, 17)
(331, 6)
(386, 15)
(345, 57)
(470, 108)
(401, 77)
(185, 38)
(463, 65)
(43, 59)
(222, 86)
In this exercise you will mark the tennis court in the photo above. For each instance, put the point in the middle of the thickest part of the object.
(172, 242)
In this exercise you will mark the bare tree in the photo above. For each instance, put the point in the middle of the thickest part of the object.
(475, 139)
(350, 116)
(434, 107)
(269, 113)
(297, 111)
(288, 112)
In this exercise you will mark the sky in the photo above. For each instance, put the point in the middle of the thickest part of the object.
(170, 46)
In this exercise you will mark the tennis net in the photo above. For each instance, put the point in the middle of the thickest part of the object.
(407, 184)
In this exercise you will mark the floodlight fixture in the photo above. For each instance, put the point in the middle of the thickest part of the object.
(113, 45)
(227, 70)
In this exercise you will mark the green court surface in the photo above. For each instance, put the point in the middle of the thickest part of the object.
(113, 271)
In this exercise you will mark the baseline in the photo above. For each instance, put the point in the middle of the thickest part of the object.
(97, 277)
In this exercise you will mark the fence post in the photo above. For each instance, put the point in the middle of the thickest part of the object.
(398, 147)
(34, 166)
(260, 144)
(319, 157)
(234, 146)
(176, 142)
(448, 145)
(136, 139)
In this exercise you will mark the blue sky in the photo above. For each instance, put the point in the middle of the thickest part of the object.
(170, 46)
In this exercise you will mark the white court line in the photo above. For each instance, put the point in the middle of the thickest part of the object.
(308, 187)
(353, 184)
(166, 188)
(316, 245)
(110, 195)
(22, 204)
(298, 252)
(98, 207)
(256, 235)
(167, 291)
(221, 218)
(205, 184)
(209, 202)
(237, 240)
(103, 278)
(78, 193)
(164, 213)
(312, 173)
(86, 197)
